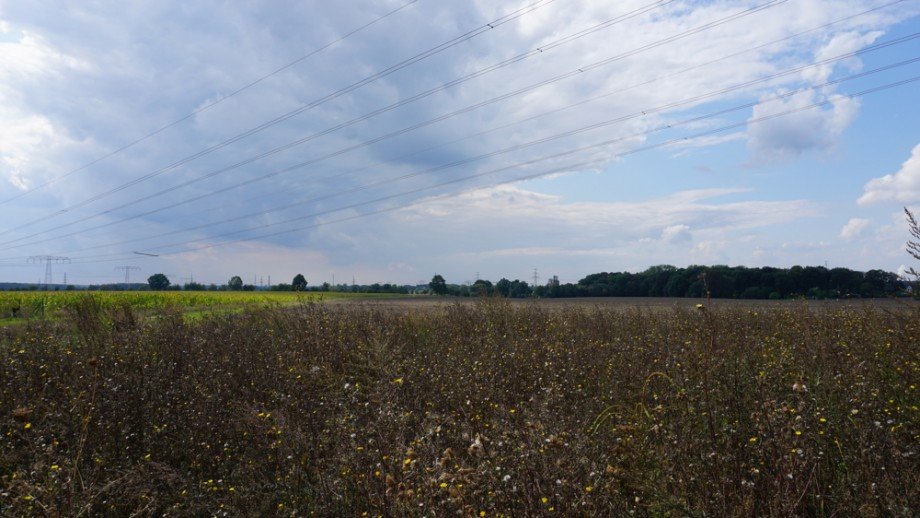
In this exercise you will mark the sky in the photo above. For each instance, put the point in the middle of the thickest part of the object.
(390, 140)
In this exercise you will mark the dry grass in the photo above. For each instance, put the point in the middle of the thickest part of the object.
(473, 410)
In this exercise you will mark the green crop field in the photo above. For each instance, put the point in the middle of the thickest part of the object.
(476, 409)
(19, 306)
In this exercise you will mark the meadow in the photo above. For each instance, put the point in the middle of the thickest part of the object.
(482, 409)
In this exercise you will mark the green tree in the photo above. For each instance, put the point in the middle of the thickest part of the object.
(158, 281)
(438, 285)
(235, 283)
(299, 283)
(482, 287)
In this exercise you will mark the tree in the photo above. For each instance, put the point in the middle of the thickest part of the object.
(438, 285)
(299, 283)
(235, 283)
(158, 281)
(482, 287)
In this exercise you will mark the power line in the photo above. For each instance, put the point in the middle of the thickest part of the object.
(543, 140)
(558, 155)
(564, 168)
(513, 148)
(494, 171)
(303, 108)
(583, 69)
(477, 134)
(402, 102)
(48, 260)
(209, 105)
(578, 165)
(128, 270)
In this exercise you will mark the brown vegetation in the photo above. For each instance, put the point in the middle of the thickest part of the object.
(470, 410)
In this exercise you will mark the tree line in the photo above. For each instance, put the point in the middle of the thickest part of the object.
(730, 282)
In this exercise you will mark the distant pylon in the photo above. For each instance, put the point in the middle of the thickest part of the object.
(127, 270)
(48, 260)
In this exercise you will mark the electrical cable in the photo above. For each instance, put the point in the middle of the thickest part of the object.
(568, 167)
(276, 150)
(303, 108)
(208, 105)
(645, 112)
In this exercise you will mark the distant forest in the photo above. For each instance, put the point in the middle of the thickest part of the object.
(731, 282)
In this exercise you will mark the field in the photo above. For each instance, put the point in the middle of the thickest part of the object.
(20, 306)
(485, 408)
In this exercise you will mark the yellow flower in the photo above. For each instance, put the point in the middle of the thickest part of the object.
(544, 499)
(398, 381)
(443, 485)
(588, 489)
(27, 426)
(752, 440)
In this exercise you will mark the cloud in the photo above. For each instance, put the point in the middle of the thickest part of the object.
(676, 234)
(812, 129)
(79, 80)
(515, 226)
(787, 137)
(854, 228)
(902, 186)
(839, 44)
(27, 138)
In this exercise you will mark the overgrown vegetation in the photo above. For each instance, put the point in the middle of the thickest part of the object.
(483, 409)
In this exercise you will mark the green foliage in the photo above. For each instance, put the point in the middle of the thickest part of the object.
(32, 305)
(299, 283)
(235, 283)
(438, 285)
(733, 282)
(158, 281)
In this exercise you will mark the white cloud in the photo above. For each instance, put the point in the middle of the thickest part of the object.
(27, 139)
(854, 228)
(78, 80)
(515, 226)
(840, 44)
(676, 234)
(789, 136)
(902, 186)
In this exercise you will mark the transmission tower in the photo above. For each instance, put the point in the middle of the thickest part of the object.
(48, 260)
(127, 270)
